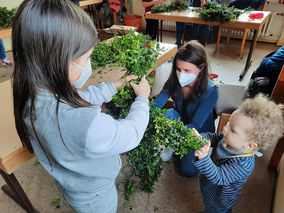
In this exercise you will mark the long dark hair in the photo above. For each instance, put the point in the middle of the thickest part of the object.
(46, 36)
(192, 52)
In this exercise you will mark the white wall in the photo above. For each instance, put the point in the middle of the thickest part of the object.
(9, 4)
(139, 10)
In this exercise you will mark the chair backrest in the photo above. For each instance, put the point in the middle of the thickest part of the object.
(277, 94)
(224, 118)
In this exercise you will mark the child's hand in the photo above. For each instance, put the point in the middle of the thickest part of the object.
(122, 82)
(196, 133)
(143, 88)
(203, 151)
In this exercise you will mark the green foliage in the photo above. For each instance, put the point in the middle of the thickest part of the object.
(146, 160)
(6, 17)
(173, 134)
(56, 203)
(174, 5)
(130, 188)
(36, 162)
(121, 102)
(136, 52)
(218, 12)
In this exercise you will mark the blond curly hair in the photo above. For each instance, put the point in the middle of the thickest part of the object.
(268, 117)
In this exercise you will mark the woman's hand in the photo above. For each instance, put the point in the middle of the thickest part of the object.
(142, 89)
(203, 151)
(122, 82)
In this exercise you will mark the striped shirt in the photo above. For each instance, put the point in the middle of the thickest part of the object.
(222, 175)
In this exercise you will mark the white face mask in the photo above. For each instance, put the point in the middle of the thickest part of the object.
(86, 73)
(185, 78)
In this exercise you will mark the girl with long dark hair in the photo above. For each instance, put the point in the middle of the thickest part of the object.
(73, 140)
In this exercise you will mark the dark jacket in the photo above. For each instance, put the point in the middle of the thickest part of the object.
(242, 4)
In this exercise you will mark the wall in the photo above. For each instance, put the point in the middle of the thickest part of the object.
(9, 4)
(139, 10)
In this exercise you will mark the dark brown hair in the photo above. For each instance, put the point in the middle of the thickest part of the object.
(46, 36)
(192, 52)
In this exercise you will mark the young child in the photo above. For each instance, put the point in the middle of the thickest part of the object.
(3, 56)
(256, 123)
(73, 140)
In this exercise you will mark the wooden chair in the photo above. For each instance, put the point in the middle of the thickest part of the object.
(229, 32)
(278, 96)
(224, 118)
(114, 15)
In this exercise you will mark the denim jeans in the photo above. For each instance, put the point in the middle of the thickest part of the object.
(2, 50)
(152, 27)
(180, 26)
(199, 32)
(186, 163)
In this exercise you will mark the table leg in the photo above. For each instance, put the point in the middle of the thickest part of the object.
(248, 63)
(14, 190)
(161, 30)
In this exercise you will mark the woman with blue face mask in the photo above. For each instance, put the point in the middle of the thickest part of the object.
(74, 141)
(194, 96)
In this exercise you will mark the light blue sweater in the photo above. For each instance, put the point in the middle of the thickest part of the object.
(85, 156)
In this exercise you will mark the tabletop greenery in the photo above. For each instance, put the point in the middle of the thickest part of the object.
(174, 5)
(219, 12)
(138, 54)
(6, 17)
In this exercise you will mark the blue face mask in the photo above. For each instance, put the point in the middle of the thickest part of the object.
(185, 78)
(86, 73)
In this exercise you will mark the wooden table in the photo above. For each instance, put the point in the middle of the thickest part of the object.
(108, 73)
(89, 2)
(6, 33)
(242, 22)
(13, 154)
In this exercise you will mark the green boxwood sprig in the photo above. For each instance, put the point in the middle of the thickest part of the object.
(6, 17)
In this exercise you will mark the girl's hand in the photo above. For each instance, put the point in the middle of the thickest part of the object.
(203, 151)
(196, 133)
(142, 89)
(122, 82)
